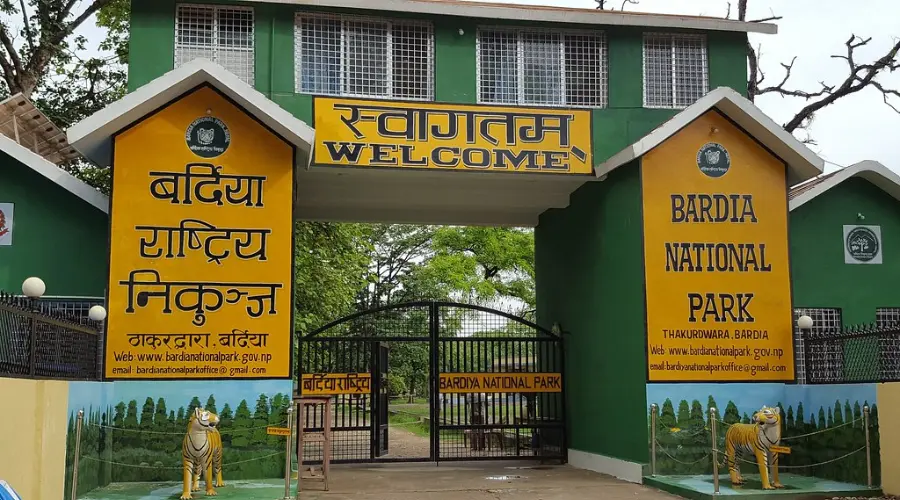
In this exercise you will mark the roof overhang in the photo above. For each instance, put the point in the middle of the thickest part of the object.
(876, 173)
(92, 137)
(540, 13)
(802, 163)
(55, 174)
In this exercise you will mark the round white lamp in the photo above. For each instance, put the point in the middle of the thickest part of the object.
(804, 322)
(97, 313)
(33, 287)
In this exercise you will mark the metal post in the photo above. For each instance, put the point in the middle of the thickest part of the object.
(32, 332)
(715, 450)
(78, 424)
(653, 409)
(868, 447)
(287, 455)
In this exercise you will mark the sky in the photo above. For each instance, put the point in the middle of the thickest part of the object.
(858, 127)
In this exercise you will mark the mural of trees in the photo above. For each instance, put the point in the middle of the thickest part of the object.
(148, 438)
(684, 440)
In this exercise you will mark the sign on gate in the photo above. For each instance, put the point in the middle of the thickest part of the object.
(368, 133)
(460, 383)
(200, 246)
(326, 384)
(718, 289)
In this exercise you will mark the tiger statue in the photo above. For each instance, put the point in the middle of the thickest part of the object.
(756, 438)
(201, 451)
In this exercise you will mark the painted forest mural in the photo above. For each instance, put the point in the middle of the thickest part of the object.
(684, 439)
(139, 439)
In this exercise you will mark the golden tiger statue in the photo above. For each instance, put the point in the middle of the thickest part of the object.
(756, 438)
(201, 451)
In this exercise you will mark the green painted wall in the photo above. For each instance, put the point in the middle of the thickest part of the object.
(589, 270)
(57, 236)
(614, 128)
(820, 277)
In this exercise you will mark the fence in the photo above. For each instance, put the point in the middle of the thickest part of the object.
(41, 339)
(858, 354)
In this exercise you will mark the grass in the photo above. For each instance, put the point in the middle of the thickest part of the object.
(410, 423)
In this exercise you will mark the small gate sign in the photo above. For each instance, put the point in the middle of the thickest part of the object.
(784, 450)
(460, 383)
(329, 384)
(278, 431)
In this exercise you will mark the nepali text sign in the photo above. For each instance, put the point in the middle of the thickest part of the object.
(328, 384)
(201, 239)
(367, 133)
(460, 383)
(716, 258)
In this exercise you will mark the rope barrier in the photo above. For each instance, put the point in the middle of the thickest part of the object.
(227, 432)
(666, 453)
(158, 467)
(829, 429)
(740, 459)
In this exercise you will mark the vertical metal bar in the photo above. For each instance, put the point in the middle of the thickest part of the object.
(868, 447)
(78, 423)
(653, 409)
(715, 451)
(434, 333)
(287, 455)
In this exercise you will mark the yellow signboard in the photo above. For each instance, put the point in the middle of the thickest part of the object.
(201, 243)
(459, 383)
(367, 133)
(327, 384)
(716, 258)
(783, 450)
(278, 431)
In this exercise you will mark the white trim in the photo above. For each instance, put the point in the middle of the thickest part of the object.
(632, 472)
(876, 173)
(55, 174)
(540, 13)
(802, 162)
(92, 135)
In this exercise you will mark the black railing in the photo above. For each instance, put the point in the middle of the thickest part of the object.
(39, 342)
(858, 354)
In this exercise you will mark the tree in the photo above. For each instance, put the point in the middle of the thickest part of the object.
(396, 250)
(227, 425)
(667, 416)
(862, 73)
(697, 420)
(684, 414)
(731, 416)
(194, 404)
(147, 414)
(211, 404)
(260, 421)
(240, 432)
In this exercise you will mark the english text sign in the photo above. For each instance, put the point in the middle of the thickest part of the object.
(366, 133)
(460, 383)
(201, 239)
(718, 289)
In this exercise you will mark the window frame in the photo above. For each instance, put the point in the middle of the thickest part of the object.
(673, 77)
(391, 22)
(215, 8)
(520, 31)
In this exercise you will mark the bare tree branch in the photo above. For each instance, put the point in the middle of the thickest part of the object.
(10, 48)
(728, 12)
(29, 35)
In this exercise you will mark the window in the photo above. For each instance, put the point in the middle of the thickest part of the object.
(224, 35)
(675, 71)
(364, 57)
(889, 345)
(826, 322)
(544, 68)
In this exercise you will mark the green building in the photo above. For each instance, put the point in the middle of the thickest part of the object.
(831, 285)
(665, 101)
(53, 225)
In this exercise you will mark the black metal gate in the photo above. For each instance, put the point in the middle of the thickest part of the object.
(436, 381)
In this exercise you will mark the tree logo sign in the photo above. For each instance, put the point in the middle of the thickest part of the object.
(208, 137)
(862, 244)
(713, 160)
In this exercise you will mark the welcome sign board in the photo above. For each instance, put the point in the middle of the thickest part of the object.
(391, 134)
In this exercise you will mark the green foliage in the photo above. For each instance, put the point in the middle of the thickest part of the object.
(682, 451)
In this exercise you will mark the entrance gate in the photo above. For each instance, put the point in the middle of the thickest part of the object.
(435, 381)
